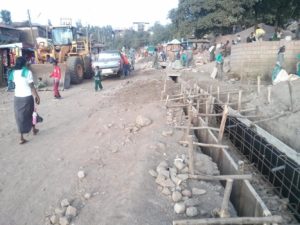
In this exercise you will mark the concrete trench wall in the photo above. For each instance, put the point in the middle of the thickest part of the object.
(243, 196)
(259, 58)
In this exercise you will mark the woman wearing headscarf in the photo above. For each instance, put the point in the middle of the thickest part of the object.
(25, 95)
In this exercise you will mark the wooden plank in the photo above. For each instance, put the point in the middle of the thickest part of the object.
(234, 220)
(222, 177)
(223, 123)
(197, 128)
(224, 212)
(191, 154)
(206, 145)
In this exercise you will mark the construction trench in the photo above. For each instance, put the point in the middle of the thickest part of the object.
(254, 165)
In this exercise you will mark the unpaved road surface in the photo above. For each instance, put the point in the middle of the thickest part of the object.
(94, 132)
(91, 132)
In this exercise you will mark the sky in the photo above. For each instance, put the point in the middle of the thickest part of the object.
(117, 13)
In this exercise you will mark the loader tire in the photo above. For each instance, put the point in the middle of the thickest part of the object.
(88, 70)
(75, 69)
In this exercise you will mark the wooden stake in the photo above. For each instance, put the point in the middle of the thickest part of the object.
(207, 109)
(198, 105)
(189, 121)
(258, 84)
(191, 154)
(291, 96)
(224, 212)
(233, 221)
(240, 100)
(228, 98)
(167, 100)
(223, 123)
(269, 93)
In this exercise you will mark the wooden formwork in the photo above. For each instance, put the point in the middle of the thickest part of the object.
(198, 104)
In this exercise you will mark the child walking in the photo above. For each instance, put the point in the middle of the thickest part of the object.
(97, 78)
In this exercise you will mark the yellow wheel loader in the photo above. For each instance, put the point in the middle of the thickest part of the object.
(72, 53)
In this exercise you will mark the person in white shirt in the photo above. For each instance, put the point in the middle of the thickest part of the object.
(25, 95)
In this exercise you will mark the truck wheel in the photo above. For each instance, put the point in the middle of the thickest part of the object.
(88, 71)
(75, 69)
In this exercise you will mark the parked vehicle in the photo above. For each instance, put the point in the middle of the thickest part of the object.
(110, 62)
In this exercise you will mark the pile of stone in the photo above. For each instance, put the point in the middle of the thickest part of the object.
(172, 181)
(64, 214)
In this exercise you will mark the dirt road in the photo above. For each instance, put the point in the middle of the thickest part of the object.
(94, 132)
(86, 131)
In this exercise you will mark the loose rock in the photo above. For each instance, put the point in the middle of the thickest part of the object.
(187, 193)
(197, 191)
(65, 203)
(176, 196)
(153, 173)
(81, 174)
(179, 164)
(142, 121)
(191, 211)
(87, 195)
(54, 219)
(179, 207)
(166, 191)
(60, 212)
(64, 221)
(71, 211)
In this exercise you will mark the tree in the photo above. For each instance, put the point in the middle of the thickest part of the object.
(6, 17)
(199, 17)
(160, 33)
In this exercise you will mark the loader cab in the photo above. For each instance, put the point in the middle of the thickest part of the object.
(63, 35)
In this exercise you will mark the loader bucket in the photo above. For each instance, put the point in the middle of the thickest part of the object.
(44, 70)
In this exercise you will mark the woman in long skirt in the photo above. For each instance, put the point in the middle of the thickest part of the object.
(25, 94)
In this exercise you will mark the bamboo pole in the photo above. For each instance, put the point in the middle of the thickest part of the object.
(223, 123)
(191, 154)
(269, 93)
(233, 221)
(207, 109)
(166, 103)
(258, 84)
(224, 212)
(228, 98)
(240, 101)
(206, 114)
(291, 95)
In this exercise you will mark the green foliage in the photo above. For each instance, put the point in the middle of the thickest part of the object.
(6, 17)
(160, 33)
(219, 16)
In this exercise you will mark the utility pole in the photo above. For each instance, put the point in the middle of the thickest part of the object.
(30, 24)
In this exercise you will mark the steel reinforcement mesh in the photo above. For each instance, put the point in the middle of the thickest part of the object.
(282, 172)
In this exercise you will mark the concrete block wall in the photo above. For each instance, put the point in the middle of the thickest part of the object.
(259, 58)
